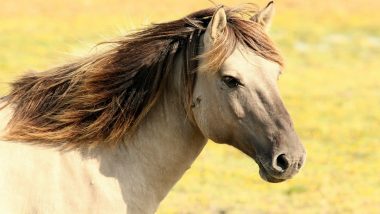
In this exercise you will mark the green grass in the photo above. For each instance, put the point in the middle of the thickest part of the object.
(330, 86)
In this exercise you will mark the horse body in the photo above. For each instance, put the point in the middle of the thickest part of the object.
(40, 180)
(113, 133)
(133, 178)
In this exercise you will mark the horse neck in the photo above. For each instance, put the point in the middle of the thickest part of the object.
(162, 148)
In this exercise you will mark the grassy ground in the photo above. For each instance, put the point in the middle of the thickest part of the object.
(330, 86)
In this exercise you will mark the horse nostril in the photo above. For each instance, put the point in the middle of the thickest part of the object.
(281, 163)
(300, 163)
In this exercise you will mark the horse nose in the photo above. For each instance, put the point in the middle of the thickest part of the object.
(283, 163)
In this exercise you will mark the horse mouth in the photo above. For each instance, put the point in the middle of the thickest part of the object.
(269, 178)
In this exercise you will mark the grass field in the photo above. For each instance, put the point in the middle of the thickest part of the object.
(331, 87)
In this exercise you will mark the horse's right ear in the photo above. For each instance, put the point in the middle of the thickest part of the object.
(216, 26)
(264, 16)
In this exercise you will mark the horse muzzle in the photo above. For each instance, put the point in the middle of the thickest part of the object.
(281, 167)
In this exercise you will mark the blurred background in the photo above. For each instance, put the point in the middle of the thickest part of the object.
(331, 87)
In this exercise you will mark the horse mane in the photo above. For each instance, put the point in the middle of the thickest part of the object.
(100, 99)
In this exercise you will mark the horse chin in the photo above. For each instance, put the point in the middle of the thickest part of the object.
(266, 177)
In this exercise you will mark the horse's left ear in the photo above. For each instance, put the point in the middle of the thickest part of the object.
(264, 16)
(216, 26)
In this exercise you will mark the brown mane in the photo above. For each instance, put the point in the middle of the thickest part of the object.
(98, 100)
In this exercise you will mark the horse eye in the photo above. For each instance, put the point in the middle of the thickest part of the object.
(231, 82)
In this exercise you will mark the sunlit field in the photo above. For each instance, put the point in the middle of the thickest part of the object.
(331, 87)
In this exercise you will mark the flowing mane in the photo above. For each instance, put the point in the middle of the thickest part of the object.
(100, 99)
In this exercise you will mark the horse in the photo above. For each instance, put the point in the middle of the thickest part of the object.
(114, 131)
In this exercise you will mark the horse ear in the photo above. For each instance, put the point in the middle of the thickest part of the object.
(264, 16)
(216, 26)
